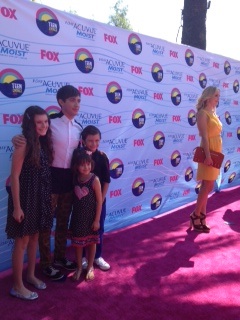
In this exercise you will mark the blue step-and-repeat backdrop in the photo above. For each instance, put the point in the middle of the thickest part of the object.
(138, 90)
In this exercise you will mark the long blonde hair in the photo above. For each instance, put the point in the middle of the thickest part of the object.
(206, 95)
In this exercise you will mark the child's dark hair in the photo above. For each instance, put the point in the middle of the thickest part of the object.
(66, 92)
(90, 130)
(80, 156)
(33, 140)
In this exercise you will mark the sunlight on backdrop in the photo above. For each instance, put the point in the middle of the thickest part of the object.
(162, 19)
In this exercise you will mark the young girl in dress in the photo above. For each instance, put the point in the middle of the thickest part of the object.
(87, 204)
(91, 137)
(29, 202)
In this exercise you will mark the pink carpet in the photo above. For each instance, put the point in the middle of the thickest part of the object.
(159, 271)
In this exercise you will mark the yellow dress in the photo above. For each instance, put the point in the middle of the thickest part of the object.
(214, 128)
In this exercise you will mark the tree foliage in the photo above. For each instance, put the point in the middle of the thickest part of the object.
(119, 18)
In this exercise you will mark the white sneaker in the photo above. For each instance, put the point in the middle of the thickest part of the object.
(84, 263)
(103, 265)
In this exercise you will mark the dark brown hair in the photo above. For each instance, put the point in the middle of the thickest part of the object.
(90, 130)
(80, 156)
(66, 92)
(34, 142)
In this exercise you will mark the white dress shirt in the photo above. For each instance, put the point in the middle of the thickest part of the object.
(65, 137)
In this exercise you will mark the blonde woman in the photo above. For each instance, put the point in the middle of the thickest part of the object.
(209, 127)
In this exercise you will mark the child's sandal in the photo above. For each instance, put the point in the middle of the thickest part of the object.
(90, 274)
(77, 274)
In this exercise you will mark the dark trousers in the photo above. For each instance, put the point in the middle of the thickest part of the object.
(61, 208)
(101, 231)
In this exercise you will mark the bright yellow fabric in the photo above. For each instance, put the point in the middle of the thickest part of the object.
(214, 128)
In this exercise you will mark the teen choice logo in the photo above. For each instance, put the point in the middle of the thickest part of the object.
(53, 109)
(84, 60)
(198, 186)
(236, 86)
(158, 140)
(189, 57)
(12, 83)
(138, 118)
(188, 174)
(176, 97)
(228, 118)
(175, 158)
(134, 43)
(138, 187)
(232, 177)
(114, 92)
(192, 118)
(238, 133)
(47, 22)
(227, 166)
(227, 67)
(157, 72)
(202, 80)
(116, 168)
(156, 201)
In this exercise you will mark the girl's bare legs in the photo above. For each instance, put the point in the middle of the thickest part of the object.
(77, 273)
(202, 199)
(91, 250)
(198, 217)
(17, 265)
(32, 252)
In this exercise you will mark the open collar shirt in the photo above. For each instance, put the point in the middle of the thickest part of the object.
(66, 137)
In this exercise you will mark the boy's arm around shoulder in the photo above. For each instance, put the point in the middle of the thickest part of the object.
(18, 141)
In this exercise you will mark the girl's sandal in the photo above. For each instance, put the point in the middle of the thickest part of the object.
(206, 228)
(77, 274)
(194, 219)
(90, 274)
